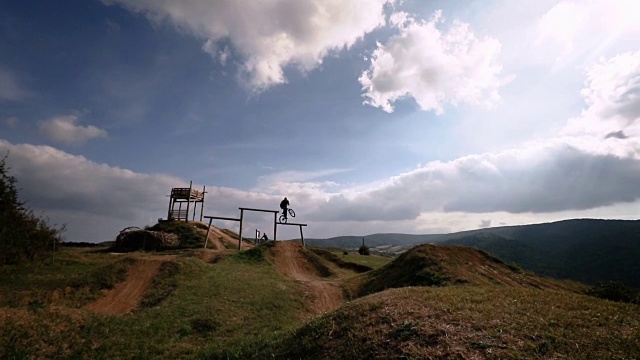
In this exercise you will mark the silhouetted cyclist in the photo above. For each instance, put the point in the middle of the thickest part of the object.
(284, 204)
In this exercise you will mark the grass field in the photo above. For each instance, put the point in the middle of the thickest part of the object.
(242, 306)
(234, 300)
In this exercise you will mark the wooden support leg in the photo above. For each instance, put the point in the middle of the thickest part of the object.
(206, 239)
(301, 236)
(240, 236)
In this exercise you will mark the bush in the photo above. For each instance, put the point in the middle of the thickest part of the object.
(23, 235)
(364, 250)
(615, 291)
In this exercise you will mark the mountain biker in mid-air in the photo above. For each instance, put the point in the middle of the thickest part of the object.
(284, 204)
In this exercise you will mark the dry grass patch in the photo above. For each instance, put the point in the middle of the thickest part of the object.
(466, 323)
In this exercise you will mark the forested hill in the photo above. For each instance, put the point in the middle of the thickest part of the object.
(586, 250)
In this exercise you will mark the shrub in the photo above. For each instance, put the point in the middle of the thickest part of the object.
(24, 236)
(364, 250)
(615, 291)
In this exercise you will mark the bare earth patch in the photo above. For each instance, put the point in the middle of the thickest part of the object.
(290, 261)
(126, 296)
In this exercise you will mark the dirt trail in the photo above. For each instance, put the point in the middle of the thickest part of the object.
(126, 296)
(322, 295)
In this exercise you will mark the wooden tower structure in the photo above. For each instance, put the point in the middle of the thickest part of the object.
(189, 198)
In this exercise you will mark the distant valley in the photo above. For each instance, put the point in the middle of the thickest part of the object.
(586, 250)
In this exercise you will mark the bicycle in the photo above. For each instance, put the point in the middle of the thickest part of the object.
(283, 218)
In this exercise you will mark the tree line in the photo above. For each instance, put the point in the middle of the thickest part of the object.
(24, 236)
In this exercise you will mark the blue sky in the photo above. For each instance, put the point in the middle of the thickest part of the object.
(371, 116)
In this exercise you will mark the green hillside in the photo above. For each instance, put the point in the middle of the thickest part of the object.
(280, 300)
(585, 250)
(351, 242)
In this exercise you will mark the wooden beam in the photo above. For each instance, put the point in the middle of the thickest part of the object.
(262, 210)
(291, 224)
(221, 218)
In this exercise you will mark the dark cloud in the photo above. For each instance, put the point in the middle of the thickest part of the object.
(616, 135)
(538, 180)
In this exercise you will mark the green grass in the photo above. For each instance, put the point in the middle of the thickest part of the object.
(372, 261)
(212, 306)
(75, 278)
(163, 285)
(241, 307)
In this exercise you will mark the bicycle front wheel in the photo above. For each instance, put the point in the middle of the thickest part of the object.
(283, 219)
(292, 213)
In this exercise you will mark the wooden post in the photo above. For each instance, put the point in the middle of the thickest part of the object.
(301, 236)
(204, 190)
(240, 236)
(275, 226)
(206, 239)
(186, 218)
(170, 206)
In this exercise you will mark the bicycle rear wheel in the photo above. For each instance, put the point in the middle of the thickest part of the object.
(283, 219)
(292, 213)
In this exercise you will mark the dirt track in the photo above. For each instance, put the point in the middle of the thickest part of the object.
(126, 296)
(322, 295)
(219, 237)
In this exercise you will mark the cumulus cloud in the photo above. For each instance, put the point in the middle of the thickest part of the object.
(10, 87)
(432, 66)
(64, 130)
(539, 178)
(269, 34)
(612, 93)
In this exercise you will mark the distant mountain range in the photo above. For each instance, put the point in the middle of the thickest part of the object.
(586, 250)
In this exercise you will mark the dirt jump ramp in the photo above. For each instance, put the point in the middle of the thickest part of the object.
(321, 295)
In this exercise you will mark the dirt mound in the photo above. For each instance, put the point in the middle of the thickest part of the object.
(438, 265)
(126, 296)
(483, 322)
(221, 240)
(134, 238)
(322, 295)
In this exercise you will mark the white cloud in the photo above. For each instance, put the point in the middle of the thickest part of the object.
(10, 87)
(612, 93)
(573, 29)
(269, 34)
(63, 130)
(432, 66)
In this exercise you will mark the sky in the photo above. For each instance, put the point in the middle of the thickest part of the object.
(371, 116)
